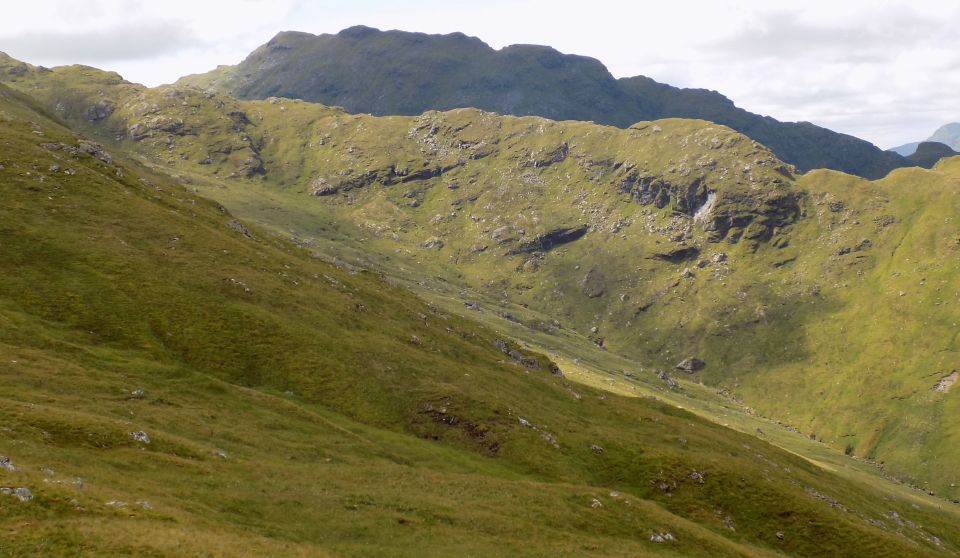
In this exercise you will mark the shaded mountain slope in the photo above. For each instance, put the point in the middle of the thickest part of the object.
(394, 72)
(928, 153)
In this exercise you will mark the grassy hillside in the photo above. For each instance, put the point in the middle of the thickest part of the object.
(470, 197)
(395, 374)
(393, 72)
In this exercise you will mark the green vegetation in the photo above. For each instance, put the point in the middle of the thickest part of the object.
(393, 72)
(294, 406)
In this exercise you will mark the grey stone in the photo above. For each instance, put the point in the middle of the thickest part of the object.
(691, 364)
(23, 494)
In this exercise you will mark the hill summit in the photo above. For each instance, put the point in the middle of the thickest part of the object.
(400, 73)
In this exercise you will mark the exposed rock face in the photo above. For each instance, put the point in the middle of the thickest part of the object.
(320, 187)
(741, 215)
(525, 360)
(140, 436)
(671, 383)
(99, 111)
(656, 190)
(550, 239)
(95, 149)
(947, 382)
(432, 243)
(240, 228)
(147, 127)
(556, 155)
(593, 284)
(678, 254)
(22, 493)
(690, 364)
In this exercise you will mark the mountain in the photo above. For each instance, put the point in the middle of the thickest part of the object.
(928, 153)
(667, 240)
(906, 149)
(176, 382)
(366, 70)
(948, 134)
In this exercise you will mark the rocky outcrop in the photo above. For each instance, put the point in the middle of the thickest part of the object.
(542, 158)
(740, 215)
(593, 284)
(649, 189)
(947, 382)
(99, 111)
(691, 365)
(387, 175)
(525, 360)
(677, 254)
(548, 240)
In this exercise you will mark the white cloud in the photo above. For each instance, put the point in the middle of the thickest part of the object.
(885, 71)
(140, 41)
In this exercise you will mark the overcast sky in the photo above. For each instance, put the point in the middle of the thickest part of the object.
(885, 71)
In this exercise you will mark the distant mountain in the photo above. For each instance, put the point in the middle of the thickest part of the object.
(929, 152)
(393, 72)
(948, 134)
(906, 149)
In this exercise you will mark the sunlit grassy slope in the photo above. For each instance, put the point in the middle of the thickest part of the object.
(800, 317)
(259, 363)
(295, 408)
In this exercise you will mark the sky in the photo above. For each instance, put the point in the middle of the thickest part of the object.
(884, 71)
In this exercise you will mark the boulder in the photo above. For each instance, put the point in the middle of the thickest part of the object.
(140, 436)
(691, 364)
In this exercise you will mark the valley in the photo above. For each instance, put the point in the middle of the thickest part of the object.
(271, 326)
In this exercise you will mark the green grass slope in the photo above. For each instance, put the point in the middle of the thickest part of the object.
(394, 72)
(177, 384)
(753, 315)
(296, 408)
(698, 241)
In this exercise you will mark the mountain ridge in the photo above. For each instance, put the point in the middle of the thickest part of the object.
(409, 73)
(948, 134)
